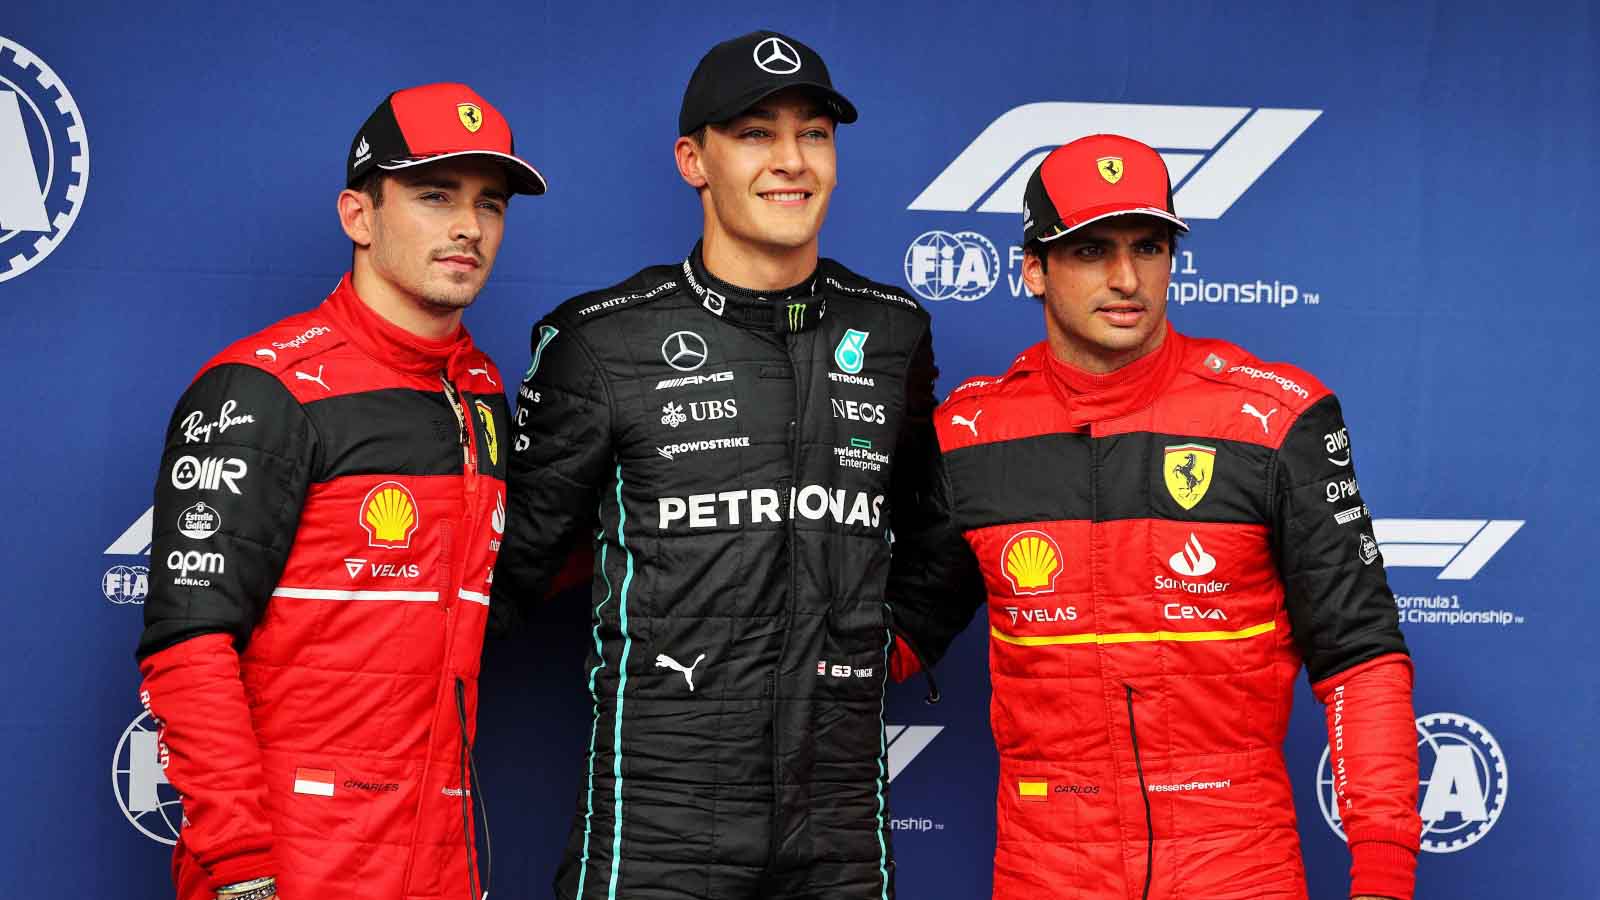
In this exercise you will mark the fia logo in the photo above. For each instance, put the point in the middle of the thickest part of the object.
(962, 266)
(146, 798)
(42, 180)
(1214, 153)
(1463, 783)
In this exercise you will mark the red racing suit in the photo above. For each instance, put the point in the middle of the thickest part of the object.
(1162, 549)
(327, 516)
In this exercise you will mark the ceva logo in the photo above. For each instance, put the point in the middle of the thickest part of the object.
(1213, 153)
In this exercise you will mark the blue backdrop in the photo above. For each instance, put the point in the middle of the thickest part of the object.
(1417, 182)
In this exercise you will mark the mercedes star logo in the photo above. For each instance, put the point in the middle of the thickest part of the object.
(684, 351)
(775, 55)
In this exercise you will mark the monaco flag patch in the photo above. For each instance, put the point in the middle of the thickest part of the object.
(314, 781)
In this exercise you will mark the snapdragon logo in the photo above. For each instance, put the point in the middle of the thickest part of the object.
(1213, 153)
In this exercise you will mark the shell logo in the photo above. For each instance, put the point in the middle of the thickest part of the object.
(389, 516)
(1032, 561)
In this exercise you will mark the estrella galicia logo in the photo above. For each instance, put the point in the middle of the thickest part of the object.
(147, 799)
(1463, 782)
(850, 356)
(943, 266)
(44, 160)
(547, 333)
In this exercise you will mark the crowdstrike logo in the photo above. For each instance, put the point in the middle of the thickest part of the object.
(1459, 548)
(1213, 153)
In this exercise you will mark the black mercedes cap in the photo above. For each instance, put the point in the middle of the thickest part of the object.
(737, 74)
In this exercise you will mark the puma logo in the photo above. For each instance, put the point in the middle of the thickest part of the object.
(1249, 410)
(317, 378)
(664, 661)
(972, 423)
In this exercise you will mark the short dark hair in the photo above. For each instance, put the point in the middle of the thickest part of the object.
(371, 184)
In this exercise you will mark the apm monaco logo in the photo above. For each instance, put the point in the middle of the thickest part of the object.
(1463, 782)
(962, 266)
(1213, 153)
(44, 160)
(146, 798)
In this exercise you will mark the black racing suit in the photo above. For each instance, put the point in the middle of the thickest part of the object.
(747, 457)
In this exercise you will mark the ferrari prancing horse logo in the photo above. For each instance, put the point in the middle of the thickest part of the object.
(1110, 168)
(471, 116)
(1188, 469)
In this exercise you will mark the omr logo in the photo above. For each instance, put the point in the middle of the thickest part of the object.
(147, 799)
(1459, 548)
(1213, 153)
(906, 743)
(44, 160)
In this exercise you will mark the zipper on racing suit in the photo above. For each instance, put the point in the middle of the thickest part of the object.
(467, 764)
(1144, 794)
(795, 444)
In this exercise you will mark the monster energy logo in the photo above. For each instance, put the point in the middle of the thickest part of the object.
(797, 315)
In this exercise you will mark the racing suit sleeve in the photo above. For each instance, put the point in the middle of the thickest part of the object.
(233, 478)
(934, 582)
(1347, 627)
(560, 455)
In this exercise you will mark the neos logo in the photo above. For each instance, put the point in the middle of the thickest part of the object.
(1459, 548)
(1463, 786)
(44, 160)
(1213, 153)
(146, 798)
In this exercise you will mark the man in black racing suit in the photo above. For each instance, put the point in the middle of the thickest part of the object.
(753, 426)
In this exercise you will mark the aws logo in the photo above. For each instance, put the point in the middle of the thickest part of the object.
(1213, 153)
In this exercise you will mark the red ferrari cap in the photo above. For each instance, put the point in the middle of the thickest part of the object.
(1091, 178)
(432, 122)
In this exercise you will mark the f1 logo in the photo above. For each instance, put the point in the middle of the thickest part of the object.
(906, 742)
(1213, 153)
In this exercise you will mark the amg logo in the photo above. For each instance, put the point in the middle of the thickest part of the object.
(687, 380)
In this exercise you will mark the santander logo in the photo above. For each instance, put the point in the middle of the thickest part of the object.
(1193, 560)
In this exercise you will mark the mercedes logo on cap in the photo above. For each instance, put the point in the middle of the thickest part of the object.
(684, 351)
(775, 55)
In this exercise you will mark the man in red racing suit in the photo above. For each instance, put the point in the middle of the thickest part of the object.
(327, 517)
(1167, 529)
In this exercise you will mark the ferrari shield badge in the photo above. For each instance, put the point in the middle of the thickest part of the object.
(1110, 168)
(1188, 469)
(471, 116)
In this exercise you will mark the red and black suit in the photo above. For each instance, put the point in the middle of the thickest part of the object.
(1163, 548)
(327, 516)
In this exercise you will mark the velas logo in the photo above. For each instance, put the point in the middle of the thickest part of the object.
(1188, 469)
(1110, 168)
(1032, 562)
(471, 116)
(962, 266)
(1213, 153)
(777, 56)
(850, 355)
(45, 153)
(389, 516)
(490, 437)
(139, 780)
(1463, 781)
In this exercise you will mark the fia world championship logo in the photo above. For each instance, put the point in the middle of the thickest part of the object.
(44, 160)
(1463, 783)
(150, 802)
